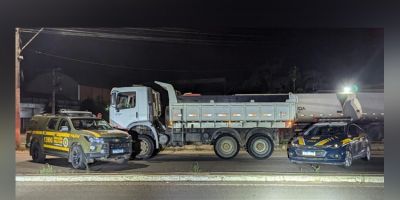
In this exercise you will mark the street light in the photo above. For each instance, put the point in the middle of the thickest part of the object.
(350, 89)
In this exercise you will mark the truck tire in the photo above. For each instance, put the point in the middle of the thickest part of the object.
(147, 147)
(37, 153)
(226, 146)
(78, 158)
(260, 146)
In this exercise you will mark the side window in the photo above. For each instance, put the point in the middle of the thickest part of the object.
(52, 124)
(353, 130)
(126, 100)
(360, 130)
(64, 122)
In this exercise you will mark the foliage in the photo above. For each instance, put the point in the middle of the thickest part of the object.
(95, 106)
(47, 169)
(196, 167)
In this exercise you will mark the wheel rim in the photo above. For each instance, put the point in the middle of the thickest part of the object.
(227, 146)
(144, 147)
(76, 157)
(348, 159)
(260, 146)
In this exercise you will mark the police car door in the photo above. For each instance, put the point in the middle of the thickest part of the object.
(49, 133)
(354, 132)
(64, 134)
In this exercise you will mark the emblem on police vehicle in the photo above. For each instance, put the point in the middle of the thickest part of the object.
(65, 142)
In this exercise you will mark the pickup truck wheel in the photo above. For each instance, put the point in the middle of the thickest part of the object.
(37, 153)
(226, 147)
(260, 147)
(78, 158)
(147, 147)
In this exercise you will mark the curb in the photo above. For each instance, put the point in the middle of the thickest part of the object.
(204, 177)
(374, 147)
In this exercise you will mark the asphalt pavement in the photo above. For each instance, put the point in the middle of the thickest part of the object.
(195, 190)
(200, 161)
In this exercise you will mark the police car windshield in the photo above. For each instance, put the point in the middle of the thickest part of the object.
(326, 130)
(90, 124)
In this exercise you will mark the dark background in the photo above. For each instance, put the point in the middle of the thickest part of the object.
(227, 59)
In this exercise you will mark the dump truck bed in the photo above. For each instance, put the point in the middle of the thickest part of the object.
(232, 114)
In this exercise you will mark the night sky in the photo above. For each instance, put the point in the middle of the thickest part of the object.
(250, 60)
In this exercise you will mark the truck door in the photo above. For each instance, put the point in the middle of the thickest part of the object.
(125, 110)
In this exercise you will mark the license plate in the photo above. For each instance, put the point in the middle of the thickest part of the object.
(114, 151)
(308, 153)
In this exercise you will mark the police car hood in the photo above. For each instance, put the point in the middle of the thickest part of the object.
(321, 140)
(106, 133)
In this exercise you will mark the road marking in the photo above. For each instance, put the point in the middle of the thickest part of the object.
(205, 177)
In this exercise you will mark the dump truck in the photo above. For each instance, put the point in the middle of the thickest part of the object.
(228, 122)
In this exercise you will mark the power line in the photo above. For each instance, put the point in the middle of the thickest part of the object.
(146, 37)
(125, 66)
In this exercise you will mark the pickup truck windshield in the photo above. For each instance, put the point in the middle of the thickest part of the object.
(90, 124)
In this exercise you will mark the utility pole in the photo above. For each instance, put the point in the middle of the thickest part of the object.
(17, 88)
(56, 87)
(18, 58)
(293, 76)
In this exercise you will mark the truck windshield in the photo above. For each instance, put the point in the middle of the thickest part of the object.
(326, 130)
(91, 124)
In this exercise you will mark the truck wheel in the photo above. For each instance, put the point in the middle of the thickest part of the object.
(260, 147)
(78, 159)
(226, 147)
(37, 153)
(147, 147)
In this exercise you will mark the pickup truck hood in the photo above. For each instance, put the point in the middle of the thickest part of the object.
(106, 133)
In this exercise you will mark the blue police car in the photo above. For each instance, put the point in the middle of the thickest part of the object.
(335, 143)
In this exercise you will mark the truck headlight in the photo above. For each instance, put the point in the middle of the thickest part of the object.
(94, 139)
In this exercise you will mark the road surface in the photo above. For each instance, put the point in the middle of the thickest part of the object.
(206, 161)
(195, 190)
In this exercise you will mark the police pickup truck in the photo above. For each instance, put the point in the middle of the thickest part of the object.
(78, 136)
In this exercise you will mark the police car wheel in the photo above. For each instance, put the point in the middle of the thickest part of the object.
(367, 154)
(78, 159)
(226, 147)
(260, 147)
(348, 159)
(147, 147)
(37, 153)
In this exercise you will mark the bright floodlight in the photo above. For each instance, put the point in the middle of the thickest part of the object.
(347, 89)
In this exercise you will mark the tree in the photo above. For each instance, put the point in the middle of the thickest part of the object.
(95, 106)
